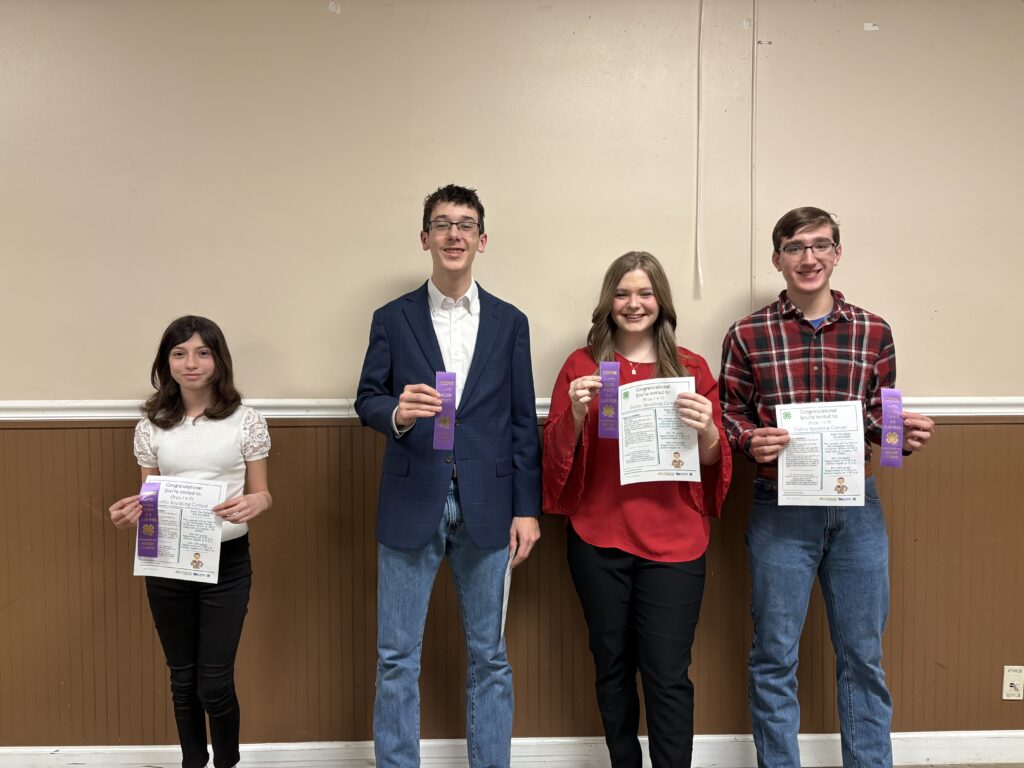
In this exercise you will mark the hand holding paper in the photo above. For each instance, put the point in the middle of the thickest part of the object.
(694, 410)
(126, 511)
(823, 463)
(655, 444)
(767, 443)
(525, 532)
(177, 537)
(242, 509)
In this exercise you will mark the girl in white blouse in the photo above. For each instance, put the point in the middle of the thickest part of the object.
(196, 426)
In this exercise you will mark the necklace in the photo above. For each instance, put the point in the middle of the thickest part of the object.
(632, 365)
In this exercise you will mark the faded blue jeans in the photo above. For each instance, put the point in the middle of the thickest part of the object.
(404, 582)
(847, 548)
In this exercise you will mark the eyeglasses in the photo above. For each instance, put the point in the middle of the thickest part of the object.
(443, 225)
(797, 249)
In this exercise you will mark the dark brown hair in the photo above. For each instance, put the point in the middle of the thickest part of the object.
(165, 407)
(601, 338)
(455, 195)
(803, 218)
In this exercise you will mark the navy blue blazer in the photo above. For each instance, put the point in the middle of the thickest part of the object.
(497, 447)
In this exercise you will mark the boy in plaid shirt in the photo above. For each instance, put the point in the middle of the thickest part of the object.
(813, 346)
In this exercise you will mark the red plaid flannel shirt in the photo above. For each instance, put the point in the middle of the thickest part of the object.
(775, 356)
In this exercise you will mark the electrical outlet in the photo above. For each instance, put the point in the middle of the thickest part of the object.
(1013, 683)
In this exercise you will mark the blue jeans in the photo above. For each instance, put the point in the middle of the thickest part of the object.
(404, 582)
(848, 549)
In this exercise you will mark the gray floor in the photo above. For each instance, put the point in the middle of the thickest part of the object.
(291, 764)
(123, 760)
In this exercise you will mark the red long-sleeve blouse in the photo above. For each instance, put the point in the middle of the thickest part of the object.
(663, 521)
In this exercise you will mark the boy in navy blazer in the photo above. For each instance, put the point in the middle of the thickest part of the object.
(475, 503)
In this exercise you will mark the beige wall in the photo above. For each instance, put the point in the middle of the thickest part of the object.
(264, 162)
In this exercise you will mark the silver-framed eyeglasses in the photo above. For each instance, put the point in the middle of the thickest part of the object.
(467, 227)
(820, 248)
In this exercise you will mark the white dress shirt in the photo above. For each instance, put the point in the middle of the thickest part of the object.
(456, 324)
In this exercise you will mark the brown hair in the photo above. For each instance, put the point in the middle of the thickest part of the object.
(803, 218)
(601, 338)
(165, 407)
(456, 195)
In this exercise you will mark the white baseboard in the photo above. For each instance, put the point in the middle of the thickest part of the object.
(344, 408)
(817, 751)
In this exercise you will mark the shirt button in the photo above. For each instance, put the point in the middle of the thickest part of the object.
(449, 459)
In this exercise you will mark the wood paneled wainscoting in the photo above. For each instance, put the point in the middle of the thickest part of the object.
(80, 663)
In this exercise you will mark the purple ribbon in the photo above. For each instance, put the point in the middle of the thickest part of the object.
(892, 428)
(608, 401)
(444, 422)
(149, 521)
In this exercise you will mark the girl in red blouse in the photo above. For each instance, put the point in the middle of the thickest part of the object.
(636, 552)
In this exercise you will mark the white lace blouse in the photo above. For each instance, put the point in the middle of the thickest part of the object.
(206, 449)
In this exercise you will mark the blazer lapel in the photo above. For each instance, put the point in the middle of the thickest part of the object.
(484, 342)
(417, 313)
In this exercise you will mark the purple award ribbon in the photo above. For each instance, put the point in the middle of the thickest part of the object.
(149, 521)
(444, 422)
(608, 401)
(892, 428)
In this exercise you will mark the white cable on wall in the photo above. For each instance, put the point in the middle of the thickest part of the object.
(698, 180)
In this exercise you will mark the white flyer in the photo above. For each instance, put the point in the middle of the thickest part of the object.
(654, 445)
(823, 463)
(507, 589)
(178, 536)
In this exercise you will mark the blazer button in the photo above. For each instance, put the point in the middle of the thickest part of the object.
(449, 459)
(457, 423)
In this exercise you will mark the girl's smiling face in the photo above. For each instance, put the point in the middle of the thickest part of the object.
(192, 364)
(634, 306)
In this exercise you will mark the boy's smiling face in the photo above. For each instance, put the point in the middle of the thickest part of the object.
(808, 272)
(452, 249)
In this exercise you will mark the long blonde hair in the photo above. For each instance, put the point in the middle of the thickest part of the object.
(601, 338)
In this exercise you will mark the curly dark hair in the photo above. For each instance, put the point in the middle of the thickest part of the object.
(456, 195)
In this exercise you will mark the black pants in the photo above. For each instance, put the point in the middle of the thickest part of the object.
(199, 627)
(641, 614)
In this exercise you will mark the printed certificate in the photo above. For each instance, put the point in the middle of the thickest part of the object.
(823, 463)
(178, 536)
(653, 443)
